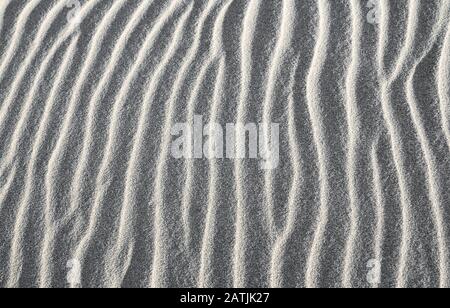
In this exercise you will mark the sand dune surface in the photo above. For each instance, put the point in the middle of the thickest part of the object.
(284, 143)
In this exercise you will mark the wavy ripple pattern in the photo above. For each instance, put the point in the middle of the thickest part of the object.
(87, 181)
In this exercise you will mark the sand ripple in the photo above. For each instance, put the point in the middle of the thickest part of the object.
(87, 179)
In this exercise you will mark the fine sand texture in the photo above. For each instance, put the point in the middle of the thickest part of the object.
(91, 195)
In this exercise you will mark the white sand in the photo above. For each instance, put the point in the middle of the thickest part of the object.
(86, 175)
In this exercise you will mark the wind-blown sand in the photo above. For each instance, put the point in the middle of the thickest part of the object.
(87, 178)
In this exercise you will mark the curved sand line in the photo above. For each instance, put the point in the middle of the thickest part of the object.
(284, 41)
(444, 88)
(279, 247)
(353, 133)
(379, 202)
(313, 97)
(249, 27)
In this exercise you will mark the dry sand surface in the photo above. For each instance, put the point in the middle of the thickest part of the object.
(91, 195)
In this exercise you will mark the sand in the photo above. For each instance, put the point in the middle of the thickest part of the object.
(91, 195)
